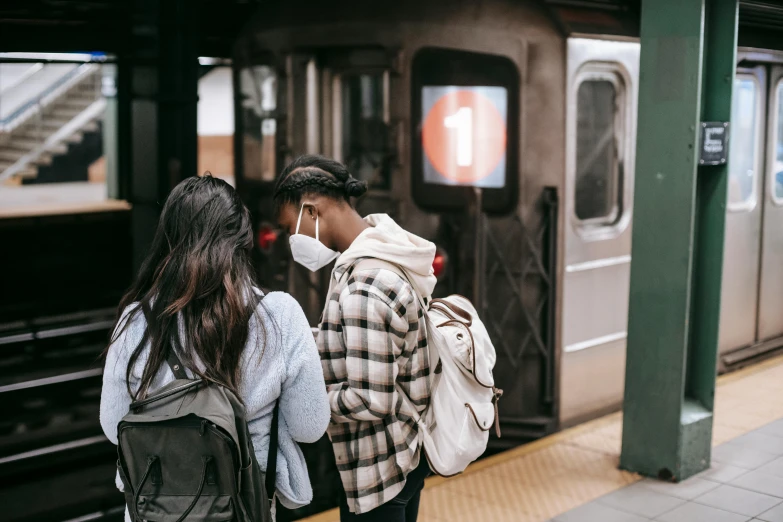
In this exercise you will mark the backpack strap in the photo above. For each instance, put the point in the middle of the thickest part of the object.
(271, 462)
(176, 366)
(172, 360)
(370, 263)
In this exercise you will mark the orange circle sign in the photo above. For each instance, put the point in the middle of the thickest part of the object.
(464, 136)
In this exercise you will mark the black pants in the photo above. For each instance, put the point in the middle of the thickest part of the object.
(402, 508)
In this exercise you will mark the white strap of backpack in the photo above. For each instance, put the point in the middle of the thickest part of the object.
(371, 263)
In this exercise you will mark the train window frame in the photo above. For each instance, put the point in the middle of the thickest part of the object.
(748, 205)
(616, 74)
(269, 118)
(776, 115)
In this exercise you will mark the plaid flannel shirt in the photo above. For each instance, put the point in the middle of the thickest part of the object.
(372, 337)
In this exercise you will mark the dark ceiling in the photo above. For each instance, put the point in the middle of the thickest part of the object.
(111, 25)
(107, 25)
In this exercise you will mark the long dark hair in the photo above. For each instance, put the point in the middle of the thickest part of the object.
(312, 174)
(197, 277)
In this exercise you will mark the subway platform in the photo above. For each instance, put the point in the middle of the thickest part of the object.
(573, 476)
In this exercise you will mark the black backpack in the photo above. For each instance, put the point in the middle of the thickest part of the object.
(185, 453)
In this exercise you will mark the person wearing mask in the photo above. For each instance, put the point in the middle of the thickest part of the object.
(372, 337)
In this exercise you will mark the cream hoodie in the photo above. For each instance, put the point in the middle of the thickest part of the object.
(388, 241)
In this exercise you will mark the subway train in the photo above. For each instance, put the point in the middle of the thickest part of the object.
(505, 132)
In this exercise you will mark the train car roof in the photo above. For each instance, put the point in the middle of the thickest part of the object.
(760, 21)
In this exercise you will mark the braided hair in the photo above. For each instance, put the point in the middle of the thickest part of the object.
(316, 175)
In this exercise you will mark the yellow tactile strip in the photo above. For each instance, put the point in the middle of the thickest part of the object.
(537, 481)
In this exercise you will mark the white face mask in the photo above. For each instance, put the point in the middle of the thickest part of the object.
(310, 252)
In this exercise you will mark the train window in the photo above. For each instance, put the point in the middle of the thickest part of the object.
(777, 165)
(364, 146)
(258, 93)
(743, 146)
(596, 194)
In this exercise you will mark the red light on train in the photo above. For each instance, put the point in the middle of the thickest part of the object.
(266, 237)
(439, 264)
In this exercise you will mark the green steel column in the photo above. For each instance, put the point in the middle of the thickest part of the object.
(686, 46)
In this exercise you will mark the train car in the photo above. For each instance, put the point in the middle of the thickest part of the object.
(505, 132)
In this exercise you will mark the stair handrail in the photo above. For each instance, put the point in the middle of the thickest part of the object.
(51, 93)
(31, 71)
(92, 112)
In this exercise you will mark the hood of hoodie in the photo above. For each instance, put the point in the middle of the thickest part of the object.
(388, 241)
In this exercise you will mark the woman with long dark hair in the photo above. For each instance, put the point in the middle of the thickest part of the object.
(197, 287)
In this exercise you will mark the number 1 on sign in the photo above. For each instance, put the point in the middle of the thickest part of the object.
(462, 122)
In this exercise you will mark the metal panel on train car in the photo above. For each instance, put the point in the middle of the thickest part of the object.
(740, 284)
(600, 128)
(770, 320)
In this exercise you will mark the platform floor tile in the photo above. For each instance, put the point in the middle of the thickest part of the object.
(761, 482)
(642, 501)
(742, 455)
(686, 490)
(598, 513)
(692, 512)
(738, 500)
(773, 515)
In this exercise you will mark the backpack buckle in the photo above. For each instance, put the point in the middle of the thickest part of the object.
(497, 393)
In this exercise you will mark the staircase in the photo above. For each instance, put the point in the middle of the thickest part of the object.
(65, 105)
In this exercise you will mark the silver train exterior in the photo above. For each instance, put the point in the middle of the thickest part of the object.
(340, 79)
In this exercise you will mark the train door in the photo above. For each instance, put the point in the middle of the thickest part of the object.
(345, 114)
(770, 314)
(752, 291)
(323, 101)
(740, 290)
(600, 125)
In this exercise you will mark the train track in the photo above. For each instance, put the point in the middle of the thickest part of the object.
(55, 463)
